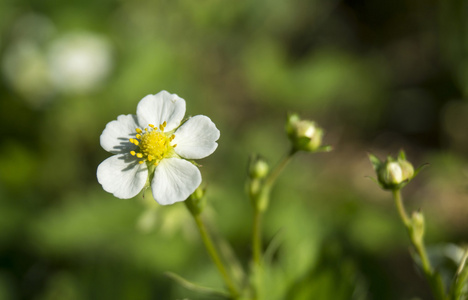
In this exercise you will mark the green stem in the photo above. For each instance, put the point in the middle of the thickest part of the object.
(256, 237)
(401, 209)
(257, 218)
(434, 279)
(215, 256)
(278, 169)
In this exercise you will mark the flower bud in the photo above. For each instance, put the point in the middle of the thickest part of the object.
(258, 167)
(407, 169)
(417, 226)
(303, 134)
(393, 173)
(196, 201)
(259, 194)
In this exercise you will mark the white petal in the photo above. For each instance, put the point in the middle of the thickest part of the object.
(174, 180)
(155, 109)
(116, 135)
(122, 176)
(196, 138)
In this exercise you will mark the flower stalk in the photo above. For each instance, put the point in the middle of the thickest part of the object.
(415, 229)
(211, 249)
(260, 201)
(304, 135)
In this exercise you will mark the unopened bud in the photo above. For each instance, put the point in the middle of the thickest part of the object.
(406, 169)
(258, 167)
(196, 201)
(304, 135)
(393, 173)
(259, 195)
(417, 226)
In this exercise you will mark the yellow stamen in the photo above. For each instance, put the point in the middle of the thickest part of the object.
(153, 144)
(135, 142)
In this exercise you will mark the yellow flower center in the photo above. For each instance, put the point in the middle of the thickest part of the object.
(153, 144)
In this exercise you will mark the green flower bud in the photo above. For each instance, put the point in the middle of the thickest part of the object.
(304, 135)
(196, 202)
(258, 194)
(390, 173)
(393, 173)
(258, 167)
(417, 226)
(406, 169)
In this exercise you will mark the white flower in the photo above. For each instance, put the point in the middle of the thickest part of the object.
(152, 144)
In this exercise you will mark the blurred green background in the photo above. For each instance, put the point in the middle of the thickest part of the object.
(376, 75)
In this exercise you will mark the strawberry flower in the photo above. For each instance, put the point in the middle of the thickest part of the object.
(154, 148)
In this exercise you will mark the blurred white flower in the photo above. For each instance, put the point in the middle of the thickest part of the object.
(37, 66)
(24, 63)
(25, 69)
(154, 145)
(79, 62)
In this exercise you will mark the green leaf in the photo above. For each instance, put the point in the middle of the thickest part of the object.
(460, 280)
(197, 288)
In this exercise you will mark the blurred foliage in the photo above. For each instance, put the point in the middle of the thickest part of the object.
(376, 75)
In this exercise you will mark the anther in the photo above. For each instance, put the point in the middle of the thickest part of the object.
(138, 136)
(132, 153)
(139, 155)
(139, 130)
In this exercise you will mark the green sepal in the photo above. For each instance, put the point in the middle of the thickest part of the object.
(302, 142)
(376, 181)
(402, 155)
(197, 288)
(327, 148)
(420, 168)
(194, 163)
(375, 161)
